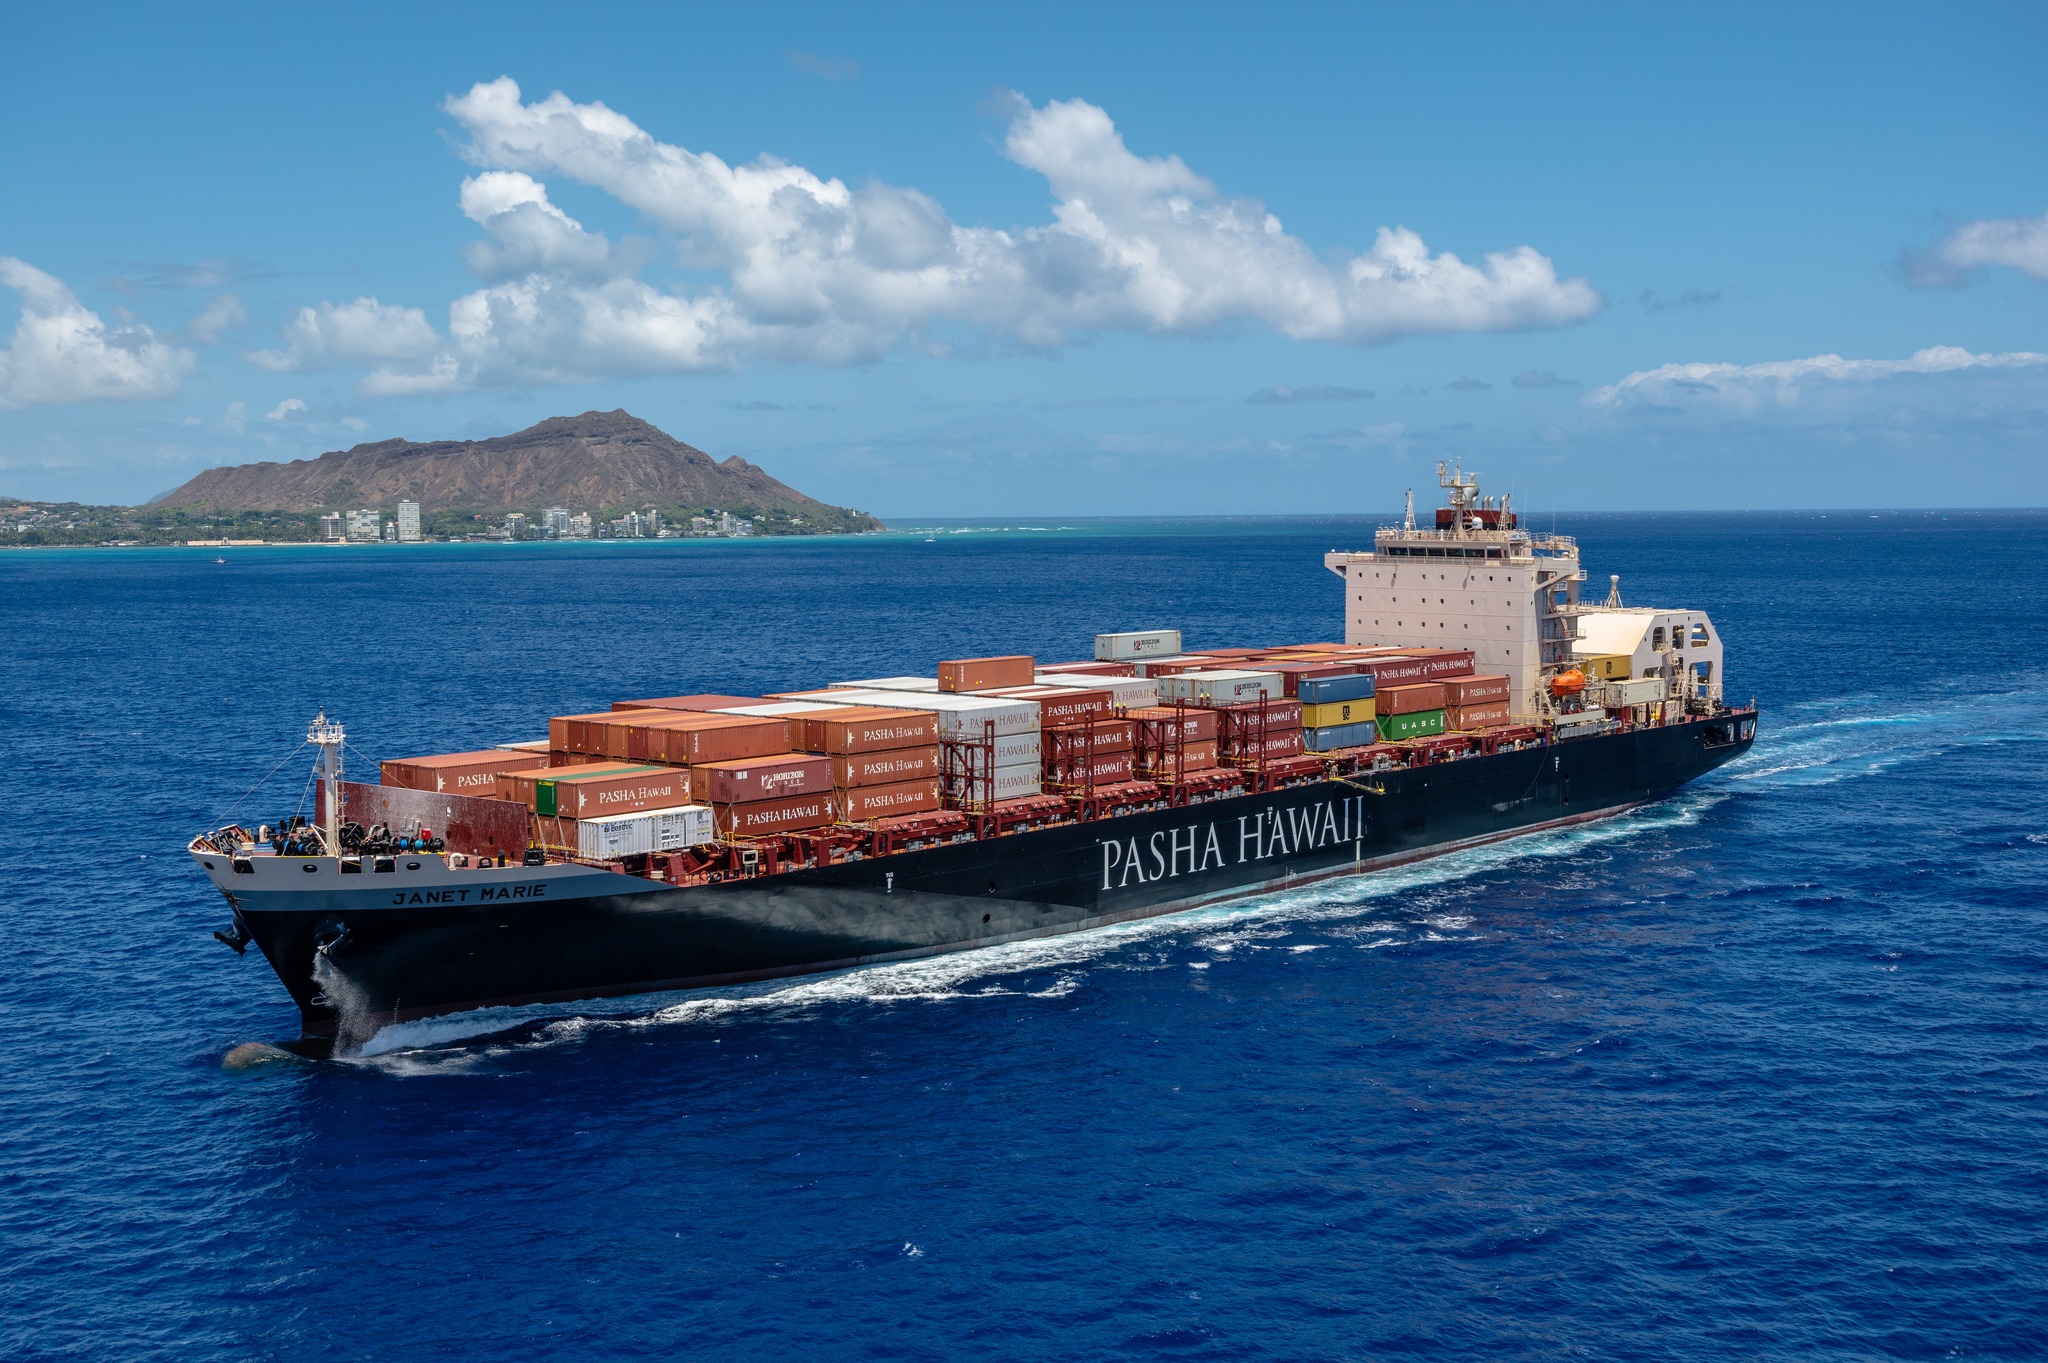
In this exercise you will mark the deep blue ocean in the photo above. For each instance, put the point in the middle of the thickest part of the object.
(1758, 1072)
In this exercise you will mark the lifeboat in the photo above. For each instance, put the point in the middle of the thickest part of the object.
(1568, 683)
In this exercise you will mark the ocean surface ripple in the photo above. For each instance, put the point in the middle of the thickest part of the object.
(1757, 1072)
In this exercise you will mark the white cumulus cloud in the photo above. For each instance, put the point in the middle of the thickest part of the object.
(1783, 385)
(62, 351)
(355, 333)
(216, 319)
(2017, 243)
(285, 410)
(808, 269)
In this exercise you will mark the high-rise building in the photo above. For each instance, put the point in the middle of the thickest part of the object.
(555, 520)
(580, 526)
(365, 526)
(333, 527)
(408, 522)
(515, 525)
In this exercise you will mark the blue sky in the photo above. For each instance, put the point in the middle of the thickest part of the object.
(1064, 260)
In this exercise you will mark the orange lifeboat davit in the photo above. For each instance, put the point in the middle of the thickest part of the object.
(1568, 683)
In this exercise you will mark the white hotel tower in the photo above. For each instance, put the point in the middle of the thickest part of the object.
(1477, 580)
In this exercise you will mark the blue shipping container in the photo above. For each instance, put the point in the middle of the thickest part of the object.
(1340, 736)
(1323, 690)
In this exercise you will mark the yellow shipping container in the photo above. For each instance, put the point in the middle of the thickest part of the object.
(1338, 712)
(1606, 666)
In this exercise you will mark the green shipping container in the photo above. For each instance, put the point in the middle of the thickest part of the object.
(1418, 724)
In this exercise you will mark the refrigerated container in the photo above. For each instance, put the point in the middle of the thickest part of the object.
(645, 833)
(1135, 644)
(1221, 686)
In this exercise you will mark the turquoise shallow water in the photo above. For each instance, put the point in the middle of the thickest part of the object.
(1757, 1072)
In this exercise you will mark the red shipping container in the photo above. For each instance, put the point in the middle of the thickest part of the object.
(1410, 699)
(624, 792)
(1447, 662)
(1060, 704)
(632, 735)
(1197, 724)
(764, 817)
(1114, 735)
(868, 728)
(1107, 768)
(685, 702)
(567, 732)
(1396, 671)
(761, 778)
(1279, 743)
(518, 786)
(1483, 715)
(1193, 757)
(1475, 690)
(985, 674)
(891, 766)
(1280, 714)
(863, 803)
(716, 738)
(459, 773)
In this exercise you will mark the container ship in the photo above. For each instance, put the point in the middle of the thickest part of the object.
(675, 842)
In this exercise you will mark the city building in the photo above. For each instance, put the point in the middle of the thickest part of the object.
(555, 520)
(332, 527)
(515, 525)
(365, 526)
(408, 522)
(580, 527)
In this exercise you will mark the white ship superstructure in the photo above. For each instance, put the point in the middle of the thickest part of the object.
(1474, 580)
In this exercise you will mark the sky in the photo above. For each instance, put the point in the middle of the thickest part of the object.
(1046, 260)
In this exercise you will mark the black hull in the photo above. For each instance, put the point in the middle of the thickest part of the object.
(623, 936)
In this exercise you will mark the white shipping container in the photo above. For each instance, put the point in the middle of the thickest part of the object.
(889, 684)
(1125, 693)
(1144, 643)
(959, 716)
(774, 708)
(1144, 665)
(1017, 750)
(645, 832)
(1637, 691)
(1221, 686)
(1010, 783)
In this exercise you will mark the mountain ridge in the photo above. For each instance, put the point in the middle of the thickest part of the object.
(596, 460)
